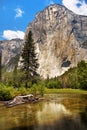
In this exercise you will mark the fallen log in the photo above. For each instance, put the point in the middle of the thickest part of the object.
(21, 99)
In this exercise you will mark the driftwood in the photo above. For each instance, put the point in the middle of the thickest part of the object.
(21, 99)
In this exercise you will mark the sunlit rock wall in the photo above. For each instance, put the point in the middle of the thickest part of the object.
(59, 35)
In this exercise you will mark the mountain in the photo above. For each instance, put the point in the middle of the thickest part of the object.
(61, 39)
(10, 52)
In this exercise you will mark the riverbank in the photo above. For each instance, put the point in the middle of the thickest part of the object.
(8, 93)
(65, 90)
(48, 94)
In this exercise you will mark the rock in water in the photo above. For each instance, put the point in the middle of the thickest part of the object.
(21, 99)
(60, 36)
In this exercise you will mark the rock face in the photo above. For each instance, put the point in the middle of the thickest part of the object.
(61, 39)
(10, 51)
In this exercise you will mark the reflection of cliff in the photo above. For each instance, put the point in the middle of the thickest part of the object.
(51, 112)
(55, 116)
(50, 116)
(66, 122)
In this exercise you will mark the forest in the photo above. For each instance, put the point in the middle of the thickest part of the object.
(26, 79)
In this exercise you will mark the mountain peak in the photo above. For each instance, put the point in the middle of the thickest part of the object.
(61, 40)
(59, 34)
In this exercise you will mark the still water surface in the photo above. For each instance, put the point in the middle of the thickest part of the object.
(59, 112)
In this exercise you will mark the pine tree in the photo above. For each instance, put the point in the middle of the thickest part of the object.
(29, 59)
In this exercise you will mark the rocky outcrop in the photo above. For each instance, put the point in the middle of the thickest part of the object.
(21, 100)
(60, 37)
(10, 52)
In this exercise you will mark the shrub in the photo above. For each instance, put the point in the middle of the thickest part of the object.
(22, 91)
(52, 83)
(6, 93)
(34, 89)
(41, 88)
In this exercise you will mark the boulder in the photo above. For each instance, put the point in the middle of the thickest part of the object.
(21, 99)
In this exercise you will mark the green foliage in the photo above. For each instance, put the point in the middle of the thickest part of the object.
(77, 77)
(15, 83)
(6, 93)
(34, 89)
(9, 92)
(22, 91)
(53, 83)
(82, 74)
(41, 88)
(73, 79)
(38, 89)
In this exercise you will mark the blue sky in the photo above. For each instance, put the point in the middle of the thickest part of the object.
(15, 15)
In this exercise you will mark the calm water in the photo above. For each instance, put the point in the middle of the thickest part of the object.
(59, 112)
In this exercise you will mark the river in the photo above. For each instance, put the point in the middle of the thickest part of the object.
(57, 112)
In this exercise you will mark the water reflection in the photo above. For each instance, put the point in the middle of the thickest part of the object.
(65, 112)
(51, 112)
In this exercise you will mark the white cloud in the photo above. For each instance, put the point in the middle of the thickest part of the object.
(9, 34)
(19, 12)
(77, 6)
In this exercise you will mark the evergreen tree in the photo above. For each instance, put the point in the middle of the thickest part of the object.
(29, 59)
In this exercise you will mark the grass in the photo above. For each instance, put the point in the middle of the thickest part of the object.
(65, 90)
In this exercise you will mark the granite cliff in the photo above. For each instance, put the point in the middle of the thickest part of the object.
(61, 39)
(10, 52)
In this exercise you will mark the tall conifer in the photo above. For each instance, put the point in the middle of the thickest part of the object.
(29, 58)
